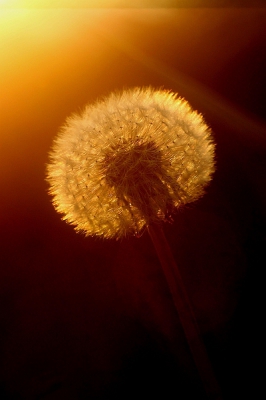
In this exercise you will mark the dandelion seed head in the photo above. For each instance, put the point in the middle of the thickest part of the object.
(129, 160)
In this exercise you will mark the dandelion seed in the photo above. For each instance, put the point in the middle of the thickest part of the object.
(132, 158)
(127, 162)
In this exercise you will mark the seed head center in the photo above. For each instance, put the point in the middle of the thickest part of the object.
(132, 165)
(135, 171)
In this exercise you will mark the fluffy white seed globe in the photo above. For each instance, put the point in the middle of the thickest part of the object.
(129, 160)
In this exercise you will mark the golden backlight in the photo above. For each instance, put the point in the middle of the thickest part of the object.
(45, 57)
(42, 50)
(81, 3)
(30, 36)
(55, 60)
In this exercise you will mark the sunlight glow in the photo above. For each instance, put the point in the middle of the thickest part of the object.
(44, 4)
(41, 49)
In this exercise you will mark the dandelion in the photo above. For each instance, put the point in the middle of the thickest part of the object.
(129, 161)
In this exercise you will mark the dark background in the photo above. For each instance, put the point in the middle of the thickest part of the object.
(84, 318)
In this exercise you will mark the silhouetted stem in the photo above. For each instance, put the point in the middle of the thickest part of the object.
(185, 312)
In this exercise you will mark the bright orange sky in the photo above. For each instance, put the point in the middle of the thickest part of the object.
(42, 47)
(53, 61)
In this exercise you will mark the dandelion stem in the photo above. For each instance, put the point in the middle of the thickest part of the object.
(185, 312)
